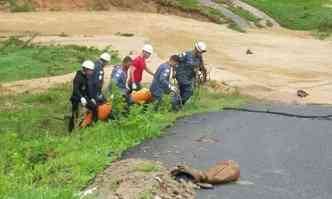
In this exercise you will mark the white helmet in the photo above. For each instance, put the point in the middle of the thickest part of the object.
(106, 57)
(200, 46)
(148, 48)
(88, 64)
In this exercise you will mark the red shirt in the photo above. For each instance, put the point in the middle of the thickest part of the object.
(138, 65)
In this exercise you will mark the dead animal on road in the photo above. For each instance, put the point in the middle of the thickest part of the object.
(223, 172)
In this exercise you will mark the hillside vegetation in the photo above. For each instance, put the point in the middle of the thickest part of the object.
(23, 60)
(299, 14)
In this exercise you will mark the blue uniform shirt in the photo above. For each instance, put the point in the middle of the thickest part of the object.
(119, 78)
(160, 83)
(185, 71)
(99, 75)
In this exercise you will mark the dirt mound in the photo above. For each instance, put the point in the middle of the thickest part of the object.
(153, 6)
(133, 178)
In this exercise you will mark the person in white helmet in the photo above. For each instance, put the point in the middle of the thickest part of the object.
(138, 66)
(84, 92)
(185, 72)
(104, 59)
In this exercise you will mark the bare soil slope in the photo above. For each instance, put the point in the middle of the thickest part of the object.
(135, 178)
(282, 61)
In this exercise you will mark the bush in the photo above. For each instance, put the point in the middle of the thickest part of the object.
(325, 27)
(14, 6)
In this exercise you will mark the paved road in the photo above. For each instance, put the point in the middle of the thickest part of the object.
(280, 157)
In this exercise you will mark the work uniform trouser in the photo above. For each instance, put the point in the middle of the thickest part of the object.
(75, 113)
(129, 102)
(93, 108)
(74, 116)
(186, 91)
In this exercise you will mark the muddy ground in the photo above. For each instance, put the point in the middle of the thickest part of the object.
(282, 62)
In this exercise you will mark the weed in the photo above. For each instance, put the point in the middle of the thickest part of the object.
(325, 27)
(147, 167)
(146, 195)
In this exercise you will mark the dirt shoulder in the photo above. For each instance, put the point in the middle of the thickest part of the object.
(135, 178)
(282, 61)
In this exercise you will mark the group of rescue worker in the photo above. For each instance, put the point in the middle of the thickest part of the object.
(127, 78)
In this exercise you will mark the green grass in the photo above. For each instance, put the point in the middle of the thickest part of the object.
(188, 4)
(147, 167)
(239, 11)
(146, 195)
(15, 6)
(296, 14)
(194, 6)
(244, 14)
(22, 60)
(39, 159)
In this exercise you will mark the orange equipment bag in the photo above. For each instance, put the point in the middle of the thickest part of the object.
(103, 112)
(142, 96)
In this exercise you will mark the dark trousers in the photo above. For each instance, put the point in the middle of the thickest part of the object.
(186, 92)
(75, 113)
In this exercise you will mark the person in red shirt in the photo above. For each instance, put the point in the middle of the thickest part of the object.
(137, 68)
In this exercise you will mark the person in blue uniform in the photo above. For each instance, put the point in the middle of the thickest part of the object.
(185, 72)
(119, 78)
(104, 59)
(161, 80)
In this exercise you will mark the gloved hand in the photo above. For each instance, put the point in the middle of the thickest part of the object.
(94, 101)
(134, 86)
(101, 98)
(173, 88)
(83, 101)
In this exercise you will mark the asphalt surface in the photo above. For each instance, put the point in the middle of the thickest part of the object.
(280, 157)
